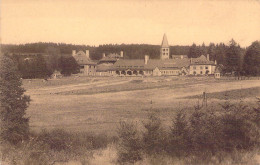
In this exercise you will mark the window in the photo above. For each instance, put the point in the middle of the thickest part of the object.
(201, 67)
(206, 67)
(163, 53)
(200, 72)
(194, 67)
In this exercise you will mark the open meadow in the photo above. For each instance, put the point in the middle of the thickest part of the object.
(98, 104)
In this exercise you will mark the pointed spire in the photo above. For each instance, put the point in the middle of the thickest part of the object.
(164, 41)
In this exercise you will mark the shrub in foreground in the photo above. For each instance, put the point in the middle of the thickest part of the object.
(48, 147)
(129, 145)
(202, 136)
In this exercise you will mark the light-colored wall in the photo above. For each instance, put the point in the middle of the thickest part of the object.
(201, 69)
(157, 72)
(88, 70)
(148, 72)
(165, 53)
(174, 72)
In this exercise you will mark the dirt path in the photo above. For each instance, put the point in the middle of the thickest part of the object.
(188, 90)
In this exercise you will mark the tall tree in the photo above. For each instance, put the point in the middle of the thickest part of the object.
(212, 51)
(13, 103)
(39, 68)
(193, 52)
(233, 58)
(203, 49)
(252, 59)
(68, 65)
(220, 53)
(53, 58)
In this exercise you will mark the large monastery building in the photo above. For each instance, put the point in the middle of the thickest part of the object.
(116, 65)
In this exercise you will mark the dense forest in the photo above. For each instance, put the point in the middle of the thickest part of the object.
(133, 51)
(57, 56)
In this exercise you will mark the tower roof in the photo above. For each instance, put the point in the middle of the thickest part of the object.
(165, 41)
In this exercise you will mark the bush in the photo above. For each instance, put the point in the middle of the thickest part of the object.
(129, 145)
(52, 146)
(154, 137)
(209, 135)
(179, 139)
(214, 132)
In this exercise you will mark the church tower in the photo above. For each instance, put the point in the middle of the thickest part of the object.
(165, 49)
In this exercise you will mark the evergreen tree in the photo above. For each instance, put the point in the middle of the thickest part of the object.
(212, 51)
(52, 59)
(193, 52)
(13, 103)
(203, 49)
(221, 53)
(233, 58)
(252, 59)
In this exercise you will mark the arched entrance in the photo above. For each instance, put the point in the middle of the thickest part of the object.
(118, 72)
(207, 71)
(135, 72)
(129, 72)
(141, 72)
(123, 72)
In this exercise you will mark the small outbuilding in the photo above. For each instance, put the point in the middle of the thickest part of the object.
(217, 73)
(56, 74)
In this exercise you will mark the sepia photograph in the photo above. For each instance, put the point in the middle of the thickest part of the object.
(130, 82)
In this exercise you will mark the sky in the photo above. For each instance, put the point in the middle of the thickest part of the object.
(99, 22)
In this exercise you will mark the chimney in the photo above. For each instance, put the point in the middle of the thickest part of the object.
(215, 62)
(191, 60)
(146, 58)
(73, 52)
(103, 55)
(87, 53)
(121, 54)
(181, 56)
(208, 57)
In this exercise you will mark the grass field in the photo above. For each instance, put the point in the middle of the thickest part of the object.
(98, 104)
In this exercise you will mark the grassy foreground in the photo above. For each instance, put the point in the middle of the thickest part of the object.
(224, 134)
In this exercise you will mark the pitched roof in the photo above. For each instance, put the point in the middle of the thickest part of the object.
(202, 60)
(104, 67)
(80, 53)
(112, 57)
(84, 60)
(217, 70)
(139, 64)
(179, 56)
(164, 41)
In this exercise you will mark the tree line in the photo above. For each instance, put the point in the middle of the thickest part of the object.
(232, 58)
(43, 66)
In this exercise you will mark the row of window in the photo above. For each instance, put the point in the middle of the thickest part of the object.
(129, 66)
(207, 72)
(170, 72)
(201, 67)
